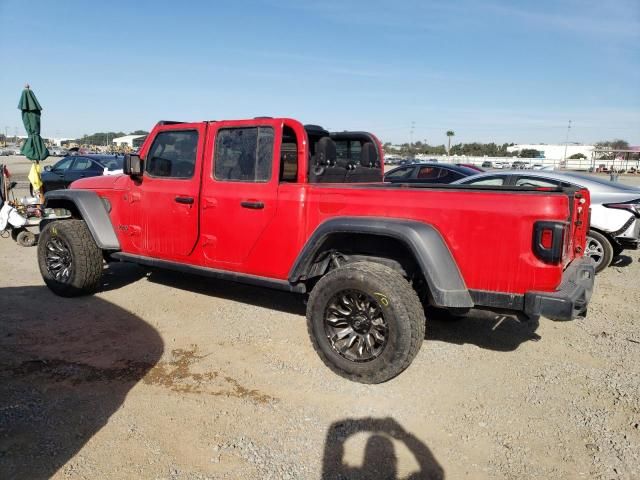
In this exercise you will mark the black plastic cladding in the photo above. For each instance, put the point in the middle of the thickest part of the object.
(554, 253)
(440, 270)
(93, 212)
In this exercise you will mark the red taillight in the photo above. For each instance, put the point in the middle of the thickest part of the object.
(546, 238)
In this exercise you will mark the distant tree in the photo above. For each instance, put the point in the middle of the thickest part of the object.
(576, 156)
(139, 132)
(529, 153)
(450, 133)
(616, 144)
(100, 138)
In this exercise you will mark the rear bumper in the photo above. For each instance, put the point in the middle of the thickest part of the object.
(571, 298)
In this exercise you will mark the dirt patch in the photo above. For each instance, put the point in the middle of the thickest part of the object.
(177, 376)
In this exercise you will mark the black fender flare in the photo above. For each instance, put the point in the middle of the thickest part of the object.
(92, 210)
(434, 258)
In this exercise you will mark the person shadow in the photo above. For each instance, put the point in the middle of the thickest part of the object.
(380, 460)
(66, 366)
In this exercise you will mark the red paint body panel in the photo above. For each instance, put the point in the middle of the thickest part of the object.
(488, 232)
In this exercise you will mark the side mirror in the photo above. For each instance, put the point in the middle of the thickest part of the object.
(47, 168)
(132, 165)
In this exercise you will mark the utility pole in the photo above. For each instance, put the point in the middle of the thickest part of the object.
(566, 143)
(413, 126)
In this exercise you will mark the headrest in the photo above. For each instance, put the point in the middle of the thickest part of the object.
(368, 155)
(326, 153)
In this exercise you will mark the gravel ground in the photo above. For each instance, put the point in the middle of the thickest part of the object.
(170, 376)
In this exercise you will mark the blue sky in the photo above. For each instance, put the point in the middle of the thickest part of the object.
(491, 71)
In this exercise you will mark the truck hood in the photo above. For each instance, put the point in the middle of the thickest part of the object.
(104, 182)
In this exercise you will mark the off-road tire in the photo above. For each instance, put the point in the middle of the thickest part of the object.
(86, 258)
(402, 312)
(607, 249)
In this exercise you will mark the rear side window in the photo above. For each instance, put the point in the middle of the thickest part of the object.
(83, 163)
(173, 154)
(244, 154)
(429, 173)
(536, 182)
(492, 181)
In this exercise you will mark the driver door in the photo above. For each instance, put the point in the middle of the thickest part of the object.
(53, 178)
(164, 204)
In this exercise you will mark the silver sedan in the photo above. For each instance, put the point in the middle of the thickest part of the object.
(615, 207)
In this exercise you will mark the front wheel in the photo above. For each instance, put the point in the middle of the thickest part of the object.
(365, 322)
(599, 249)
(70, 261)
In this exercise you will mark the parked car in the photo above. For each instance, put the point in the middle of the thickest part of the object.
(12, 150)
(615, 208)
(266, 201)
(519, 165)
(428, 173)
(487, 164)
(57, 151)
(74, 167)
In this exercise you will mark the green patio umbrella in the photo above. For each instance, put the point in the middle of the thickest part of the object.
(34, 148)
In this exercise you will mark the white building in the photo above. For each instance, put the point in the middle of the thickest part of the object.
(131, 141)
(555, 152)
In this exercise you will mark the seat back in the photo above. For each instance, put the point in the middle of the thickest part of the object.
(324, 167)
(368, 170)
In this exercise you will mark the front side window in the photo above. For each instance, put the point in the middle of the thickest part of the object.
(63, 164)
(400, 172)
(173, 154)
(244, 154)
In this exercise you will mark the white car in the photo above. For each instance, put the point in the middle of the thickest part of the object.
(615, 207)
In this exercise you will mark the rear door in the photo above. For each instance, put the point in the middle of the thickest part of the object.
(239, 189)
(165, 203)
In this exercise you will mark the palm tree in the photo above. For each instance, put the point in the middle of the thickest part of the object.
(450, 133)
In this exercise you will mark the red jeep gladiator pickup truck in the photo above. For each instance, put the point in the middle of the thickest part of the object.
(271, 202)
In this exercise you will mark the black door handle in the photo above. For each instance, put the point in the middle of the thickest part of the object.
(252, 205)
(185, 200)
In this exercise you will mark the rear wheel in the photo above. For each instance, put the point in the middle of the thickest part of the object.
(365, 321)
(599, 249)
(69, 259)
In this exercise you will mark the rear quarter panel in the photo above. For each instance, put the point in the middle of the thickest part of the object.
(489, 233)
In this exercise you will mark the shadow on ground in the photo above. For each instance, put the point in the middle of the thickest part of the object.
(485, 329)
(380, 459)
(66, 365)
(621, 261)
(482, 328)
(238, 292)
